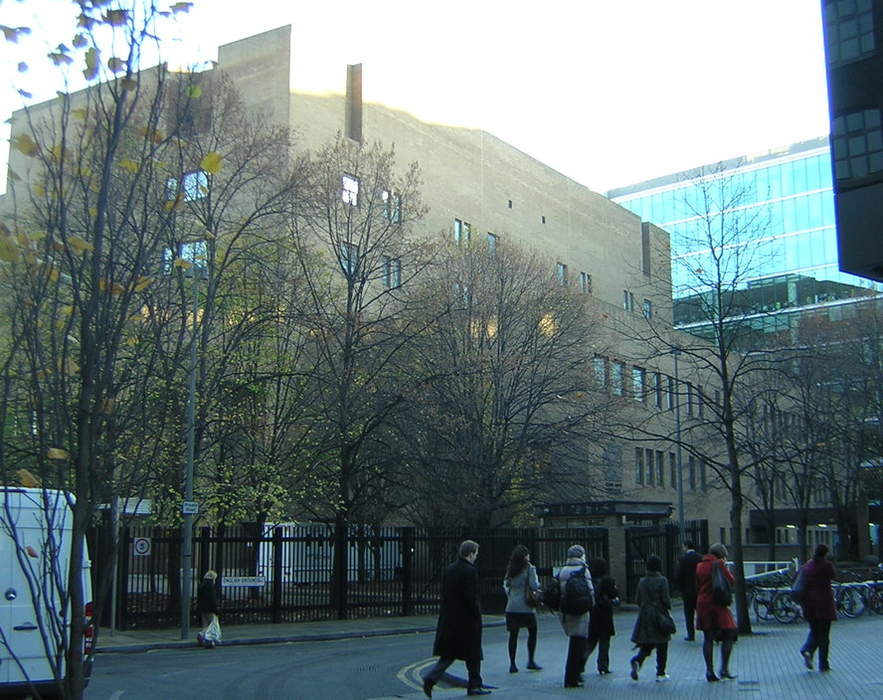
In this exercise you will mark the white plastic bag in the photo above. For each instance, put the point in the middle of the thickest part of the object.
(211, 636)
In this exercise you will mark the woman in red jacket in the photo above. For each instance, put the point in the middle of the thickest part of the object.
(715, 621)
(818, 606)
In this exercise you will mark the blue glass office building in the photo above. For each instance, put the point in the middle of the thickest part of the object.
(798, 274)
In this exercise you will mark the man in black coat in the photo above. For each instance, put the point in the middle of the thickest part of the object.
(687, 586)
(458, 635)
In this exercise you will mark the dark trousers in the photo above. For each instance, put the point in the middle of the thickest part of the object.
(690, 615)
(819, 637)
(576, 660)
(603, 644)
(661, 655)
(438, 670)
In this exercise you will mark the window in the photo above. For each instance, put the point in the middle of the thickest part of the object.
(660, 468)
(648, 456)
(849, 29)
(392, 206)
(628, 300)
(673, 469)
(196, 253)
(647, 309)
(657, 389)
(350, 190)
(691, 462)
(349, 258)
(194, 185)
(703, 475)
(617, 377)
(700, 402)
(639, 465)
(462, 231)
(392, 272)
(585, 282)
(857, 144)
(639, 379)
(599, 365)
(561, 274)
(689, 389)
(491, 243)
(670, 393)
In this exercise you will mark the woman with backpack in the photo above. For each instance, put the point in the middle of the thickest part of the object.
(601, 617)
(654, 626)
(522, 588)
(576, 625)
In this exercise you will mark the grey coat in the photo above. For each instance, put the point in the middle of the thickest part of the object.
(574, 625)
(653, 599)
(515, 590)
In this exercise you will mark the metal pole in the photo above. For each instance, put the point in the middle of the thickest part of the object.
(115, 555)
(681, 519)
(187, 545)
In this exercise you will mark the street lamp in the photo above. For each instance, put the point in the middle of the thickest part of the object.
(681, 521)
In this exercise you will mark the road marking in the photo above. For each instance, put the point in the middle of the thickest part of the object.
(415, 668)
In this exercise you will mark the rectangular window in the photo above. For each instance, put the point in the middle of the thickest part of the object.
(700, 402)
(392, 206)
(561, 274)
(349, 258)
(585, 282)
(350, 190)
(491, 243)
(639, 466)
(703, 475)
(670, 393)
(639, 379)
(648, 458)
(657, 389)
(617, 378)
(462, 231)
(392, 272)
(691, 464)
(673, 469)
(599, 364)
(194, 185)
(195, 252)
(628, 300)
(647, 309)
(689, 389)
(660, 468)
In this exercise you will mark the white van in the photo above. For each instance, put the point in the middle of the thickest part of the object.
(34, 523)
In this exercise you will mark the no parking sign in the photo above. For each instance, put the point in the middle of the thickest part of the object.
(141, 546)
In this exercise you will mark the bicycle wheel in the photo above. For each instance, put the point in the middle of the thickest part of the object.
(875, 601)
(784, 609)
(850, 601)
(761, 605)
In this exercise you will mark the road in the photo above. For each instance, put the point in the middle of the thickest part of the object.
(767, 664)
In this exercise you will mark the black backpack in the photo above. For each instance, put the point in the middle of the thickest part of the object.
(552, 594)
(577, 598)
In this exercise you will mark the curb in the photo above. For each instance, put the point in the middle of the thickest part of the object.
(281, 639)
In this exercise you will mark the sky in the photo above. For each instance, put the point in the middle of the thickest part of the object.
(608, 92)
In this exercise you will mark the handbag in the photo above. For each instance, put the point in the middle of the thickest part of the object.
(532, 597)
(721, 593)
(798, 588)
(665, 623)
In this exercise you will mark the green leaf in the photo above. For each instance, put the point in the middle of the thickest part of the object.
(92, 63)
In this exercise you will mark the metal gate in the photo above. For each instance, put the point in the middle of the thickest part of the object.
(663, 541)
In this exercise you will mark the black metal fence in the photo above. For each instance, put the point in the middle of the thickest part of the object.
(285, 572)
(640, 543)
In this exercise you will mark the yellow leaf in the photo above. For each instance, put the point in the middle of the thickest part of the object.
(79, 113)
(57, 153)
(8, 250)
(79, 245)
(182, 263)
(173, 204)
(194, 92)
(107, 406)
(129, 165)
(54, 275)
(60, 58)
(28, 480)
(57, 453)
(92, 63)
(142, 283)
(67, 310)
(70, 366)
(25, 144)
(39, 190)
(93, 211)
(116, 65)
(116, 18)
(79, 41)
(212, 163)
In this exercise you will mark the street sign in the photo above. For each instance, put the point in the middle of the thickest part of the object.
(141, 546)
(230, 581)
(189, 508)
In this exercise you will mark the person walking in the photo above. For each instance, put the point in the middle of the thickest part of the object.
(458, 634)
(686, 580)
(654, 603)
(576, 627)
(819, 609)
(601, 616)
(207, 607)
(522, 588)
(714, 621)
